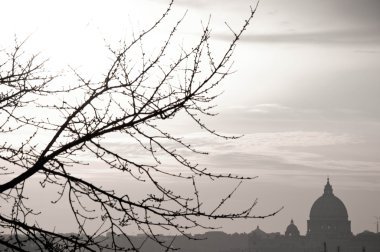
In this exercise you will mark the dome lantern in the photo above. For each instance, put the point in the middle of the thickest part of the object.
(328, 188)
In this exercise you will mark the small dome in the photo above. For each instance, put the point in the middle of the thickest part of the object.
(328, 206)
(292, 230)
(258, 233)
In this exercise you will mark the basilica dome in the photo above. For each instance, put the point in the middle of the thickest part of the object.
(328, 216)
(328, 206)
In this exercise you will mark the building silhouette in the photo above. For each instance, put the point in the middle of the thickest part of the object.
(328, 216)
(328, 229)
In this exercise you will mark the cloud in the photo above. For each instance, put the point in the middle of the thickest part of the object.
(353, 36)
(301, 113)
(268, 108)
(300, 21)
(276, 154)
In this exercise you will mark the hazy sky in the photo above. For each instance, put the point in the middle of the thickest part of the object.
(305, 94)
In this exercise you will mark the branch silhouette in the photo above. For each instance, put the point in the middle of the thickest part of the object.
(133, 97)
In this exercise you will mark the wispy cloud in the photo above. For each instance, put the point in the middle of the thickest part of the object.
(354, 36)
(277, 154)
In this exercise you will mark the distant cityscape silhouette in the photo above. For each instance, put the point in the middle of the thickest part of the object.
(328, 230)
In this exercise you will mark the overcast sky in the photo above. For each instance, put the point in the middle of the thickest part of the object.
(305, 93)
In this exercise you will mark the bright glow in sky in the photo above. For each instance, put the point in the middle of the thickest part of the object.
(305, 93)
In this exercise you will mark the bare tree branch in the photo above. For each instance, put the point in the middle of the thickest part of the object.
(131, 100)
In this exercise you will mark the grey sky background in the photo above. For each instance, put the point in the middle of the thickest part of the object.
(305, 95)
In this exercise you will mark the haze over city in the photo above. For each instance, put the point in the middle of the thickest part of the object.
(304, 97)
